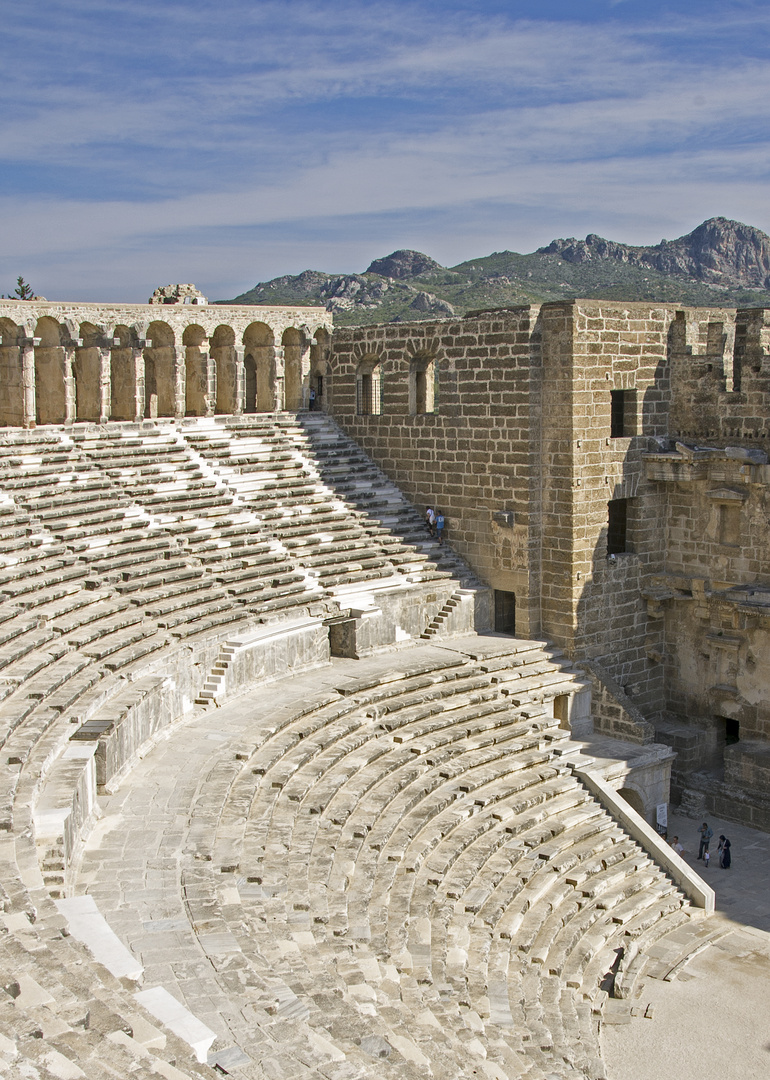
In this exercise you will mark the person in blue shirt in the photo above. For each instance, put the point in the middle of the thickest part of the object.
(440, 526)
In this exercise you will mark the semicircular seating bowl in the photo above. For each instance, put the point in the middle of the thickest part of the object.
(402, 867)
(394, 875)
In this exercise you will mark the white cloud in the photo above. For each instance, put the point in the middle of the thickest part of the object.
(333, 123)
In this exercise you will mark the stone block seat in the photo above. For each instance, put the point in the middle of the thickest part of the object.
(388, 871)
(294, 473)
(375, 869)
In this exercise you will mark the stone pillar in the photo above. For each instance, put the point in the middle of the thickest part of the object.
(70, 389)
(180, 382)
(137, 355)
(240, 381)
(209, 368)
(105, 383)
(280, 379)
(304, 367)
(27, 346)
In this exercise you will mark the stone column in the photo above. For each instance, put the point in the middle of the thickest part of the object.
(27, 346)
(70, 389)
(137, 356)
(209, 372)
(240, 380)
(304, 367)
(279, 366)
(105, 383)
(180, 382)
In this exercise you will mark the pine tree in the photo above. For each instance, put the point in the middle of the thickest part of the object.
(23, 290)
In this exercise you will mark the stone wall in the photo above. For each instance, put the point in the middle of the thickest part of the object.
(563, 445)
(473, 452)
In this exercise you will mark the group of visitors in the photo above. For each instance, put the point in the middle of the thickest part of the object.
(435, 521)
(705, 834)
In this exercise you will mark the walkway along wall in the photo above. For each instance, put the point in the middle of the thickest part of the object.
(62, 363)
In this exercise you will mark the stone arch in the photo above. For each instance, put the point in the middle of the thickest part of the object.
(634, 800)
(369, 386)
(292, 343)
(86, 371)
(320, 374)
(11, 380)
(225, 359)
(50, 390)
(122, 376)
(160, 371)
(196, 370)
(259, 343)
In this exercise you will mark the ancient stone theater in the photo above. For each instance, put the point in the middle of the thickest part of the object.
(293, 785)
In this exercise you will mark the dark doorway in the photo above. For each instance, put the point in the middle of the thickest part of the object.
(505, 612)
(729, 730)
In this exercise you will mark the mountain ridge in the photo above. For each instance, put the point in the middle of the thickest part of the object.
(720, 263)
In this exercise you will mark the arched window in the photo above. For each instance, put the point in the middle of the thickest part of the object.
(422, 385)
(196, 370)
(369, 387)
(11, 383)
(259, 343)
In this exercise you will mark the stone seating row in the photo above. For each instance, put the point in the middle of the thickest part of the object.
(61, 1014)
(340, 828)
(400, 557)
(316, 532)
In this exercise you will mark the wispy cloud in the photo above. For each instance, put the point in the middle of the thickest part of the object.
(195, 133)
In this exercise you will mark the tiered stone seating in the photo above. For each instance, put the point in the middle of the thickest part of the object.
(406, 840)
(172, 497)
(63, 1015)
(287, 470)
(405, 865)
(353, 476)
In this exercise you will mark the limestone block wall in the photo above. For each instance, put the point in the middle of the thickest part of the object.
(467, 443)
(600, 357)
(720, 364)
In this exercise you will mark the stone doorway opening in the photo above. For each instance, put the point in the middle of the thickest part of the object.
(505, 612)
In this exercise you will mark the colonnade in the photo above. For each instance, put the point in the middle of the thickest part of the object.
(61, 366)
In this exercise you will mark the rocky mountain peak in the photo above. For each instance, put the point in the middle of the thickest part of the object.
(403, 264)
(719, 251)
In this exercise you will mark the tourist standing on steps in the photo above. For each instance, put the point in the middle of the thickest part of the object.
(705, 834)
(430, 517)
(312, 400)
(725, 858)
(440, 527)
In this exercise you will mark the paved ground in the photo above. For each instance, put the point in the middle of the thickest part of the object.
(713, 1021)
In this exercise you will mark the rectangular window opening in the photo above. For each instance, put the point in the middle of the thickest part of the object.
(622, 413)
(617, 525)
(729, 730)
(729, 523)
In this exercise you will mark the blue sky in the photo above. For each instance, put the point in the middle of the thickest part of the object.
(229, 142)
